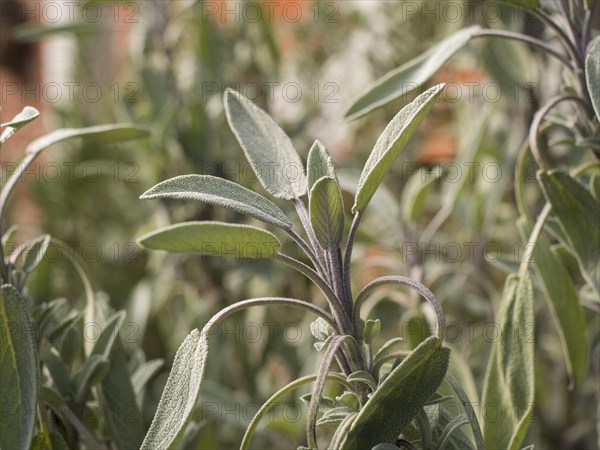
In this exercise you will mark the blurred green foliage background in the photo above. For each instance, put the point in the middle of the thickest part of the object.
(168, 69)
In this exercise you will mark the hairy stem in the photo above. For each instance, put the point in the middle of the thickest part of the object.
(422, 289)
(534, 130)
(342, 321)
(348, 256)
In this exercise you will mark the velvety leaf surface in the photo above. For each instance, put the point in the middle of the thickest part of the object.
(578, 213)
(19, 375)
(180, 394)
(390, 143)
(410, 76)
(213, 239)
(319, 164)
(563, 301)
(400, 397)
(508, 391)
(592, 73)
(266, 146)
(220, 192)
(327, 213)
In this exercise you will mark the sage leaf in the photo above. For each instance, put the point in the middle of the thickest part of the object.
(19, 121)
(563, 301)
(213, 239)
(509, 381)
(100, 134)
(267, 147)
(94, 370)
(592, 73)
(390, 143)
(410, 76)
(577, 212)
(400, 397)
(327, 213)
(318, 164)
(19, 373)
(220, 192)
(362, 376)
(118, 401)
(28, 114)
(108, 336)
(35, 253)
(180, 394)
(59, 374)
(372, 329)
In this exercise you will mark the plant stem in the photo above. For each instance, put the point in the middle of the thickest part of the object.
(422, 289)
(342, 322)
(308, 251)
(534, 130)
(547, 20)
(529, 40)
(348, 256)
(272, 401)
(305, 219)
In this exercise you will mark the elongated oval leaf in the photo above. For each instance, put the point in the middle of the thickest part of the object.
(220, 192)
(268, 149)
(563, 301)
(327, 213)
(19, 375)
(592, 73)
(319, 164)
(410, 76)
(108, 336)
(213, 239)
(577, 212)
(400, 397)
(35, 252)
(390, 142)
(101, 134)
(180, 394)
(19, 121)
(118, 401)
(508, 390)
(28, 114)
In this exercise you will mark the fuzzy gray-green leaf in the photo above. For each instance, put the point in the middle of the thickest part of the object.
(35, 252)
(267, 147)
(410, 76)
(390, 143)
(327, 213)
(563, 301)
(220, 192)
(319, 164)
(509, 381)
(592, 73)
(180, 394)
(213, 239)
(577, 212)
(19, 375)
(23, 118)
(400, 397)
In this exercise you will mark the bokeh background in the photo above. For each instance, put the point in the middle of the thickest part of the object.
(165, 64)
